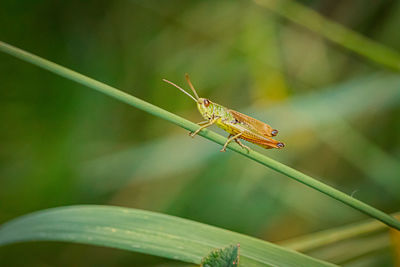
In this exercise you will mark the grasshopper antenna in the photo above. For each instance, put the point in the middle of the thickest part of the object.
(191, 85)
(171, 83)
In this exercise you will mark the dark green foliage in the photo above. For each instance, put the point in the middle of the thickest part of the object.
(222, 257)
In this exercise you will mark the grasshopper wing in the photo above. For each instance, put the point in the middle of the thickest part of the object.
(256, 125)
(252, 136)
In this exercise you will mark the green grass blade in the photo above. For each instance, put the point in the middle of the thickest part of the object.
(331, 236)
(161, 113)
(146, 232)
(334, 32)
(352, 250)
(375, 163)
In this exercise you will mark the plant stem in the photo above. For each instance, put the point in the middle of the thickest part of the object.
(334, 32)
(161, 113)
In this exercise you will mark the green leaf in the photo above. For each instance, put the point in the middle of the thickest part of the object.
(223, 257)
(146, 232)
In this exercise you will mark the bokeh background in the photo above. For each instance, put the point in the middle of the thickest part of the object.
(64, 144)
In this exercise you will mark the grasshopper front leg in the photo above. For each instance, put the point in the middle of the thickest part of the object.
(209, 123)
(202, 123)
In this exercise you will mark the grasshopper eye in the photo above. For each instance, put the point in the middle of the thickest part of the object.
(280, 145)
(206, 103)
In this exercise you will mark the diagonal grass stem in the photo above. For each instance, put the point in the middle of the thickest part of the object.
(334, 32)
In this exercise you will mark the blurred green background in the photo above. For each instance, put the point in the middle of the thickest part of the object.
(64, 144)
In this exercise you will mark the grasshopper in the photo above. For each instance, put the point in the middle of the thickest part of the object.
(238, 125)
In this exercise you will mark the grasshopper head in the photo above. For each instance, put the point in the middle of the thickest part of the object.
(205, 107)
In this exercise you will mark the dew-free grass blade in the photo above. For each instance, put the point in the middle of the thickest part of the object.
(145, 232)
(334, 32)
(330, 236)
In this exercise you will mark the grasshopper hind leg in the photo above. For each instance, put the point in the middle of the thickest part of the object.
(243, 146)
(235, 138)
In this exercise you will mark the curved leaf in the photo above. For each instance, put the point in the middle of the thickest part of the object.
(146, 232)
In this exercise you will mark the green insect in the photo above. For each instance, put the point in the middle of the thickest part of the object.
(238, 125)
